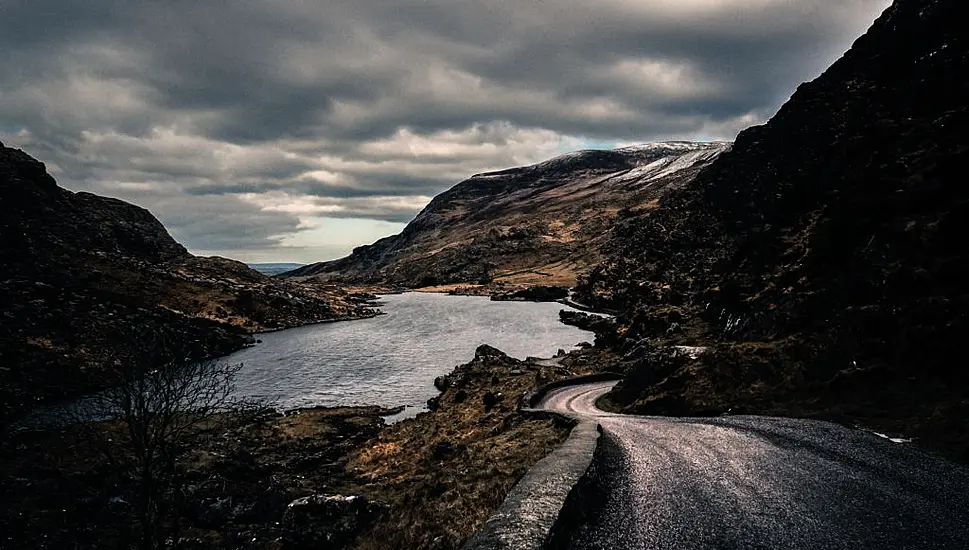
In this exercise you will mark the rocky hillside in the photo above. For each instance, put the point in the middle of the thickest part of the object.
(539, 224)
(825, 258)
(87, 281)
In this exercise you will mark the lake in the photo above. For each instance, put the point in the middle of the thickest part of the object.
(392, 359)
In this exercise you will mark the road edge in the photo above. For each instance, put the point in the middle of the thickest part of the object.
(532, 508)
(528, 401)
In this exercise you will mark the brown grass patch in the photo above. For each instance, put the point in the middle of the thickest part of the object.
(444, 473)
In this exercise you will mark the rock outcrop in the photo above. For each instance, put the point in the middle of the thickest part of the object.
(541, 224)
(537, 293)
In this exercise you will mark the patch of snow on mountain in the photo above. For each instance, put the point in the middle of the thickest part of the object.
(672, 164)
(651, 151)
(677, 154)
(682, 162)
(677, 146)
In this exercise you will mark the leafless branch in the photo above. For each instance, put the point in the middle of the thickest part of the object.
(150, 417)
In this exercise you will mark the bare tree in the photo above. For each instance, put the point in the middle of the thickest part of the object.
(147, 420)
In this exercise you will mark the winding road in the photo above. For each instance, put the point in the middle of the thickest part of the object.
(754, 482)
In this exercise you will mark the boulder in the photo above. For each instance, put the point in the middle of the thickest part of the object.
(442, 382)
(485, 351)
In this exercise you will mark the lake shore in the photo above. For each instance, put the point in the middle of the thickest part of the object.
(393, 359)
(292, 480)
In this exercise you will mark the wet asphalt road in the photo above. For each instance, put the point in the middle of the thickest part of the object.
(757, 482)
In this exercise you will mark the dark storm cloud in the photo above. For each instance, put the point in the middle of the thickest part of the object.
(375, 185)
(236, 121)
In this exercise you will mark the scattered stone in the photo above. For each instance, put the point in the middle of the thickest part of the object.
(327, 521)
(603, 327)
(443, 450)
(693, 352)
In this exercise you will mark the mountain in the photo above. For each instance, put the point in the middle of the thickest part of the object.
(824, 260)
(275, 268)
(539, 224)
(88, 282)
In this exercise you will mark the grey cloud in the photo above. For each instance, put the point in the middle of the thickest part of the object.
(232, 59)
(385, 185)
(221, 223)
(197, 104)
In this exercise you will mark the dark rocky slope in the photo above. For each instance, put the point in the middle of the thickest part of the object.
(540, 224)
(825, 257)
(87, 281)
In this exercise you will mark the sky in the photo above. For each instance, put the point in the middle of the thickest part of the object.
(270, 130)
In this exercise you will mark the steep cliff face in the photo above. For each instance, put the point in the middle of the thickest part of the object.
(828, 249)
(87, 282)
(539, 224)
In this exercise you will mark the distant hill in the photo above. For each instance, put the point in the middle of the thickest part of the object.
(271, 269)
(539, 224)
(88, 282)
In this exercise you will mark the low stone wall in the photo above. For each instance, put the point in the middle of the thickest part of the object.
(532, 508)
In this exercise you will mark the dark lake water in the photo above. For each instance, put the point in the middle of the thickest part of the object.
(393, 359)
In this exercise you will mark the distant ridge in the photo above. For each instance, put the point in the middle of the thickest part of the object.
(275, 268)
(538, 224)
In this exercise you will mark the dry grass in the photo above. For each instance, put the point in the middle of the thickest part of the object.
(460, 288)
(444, 473)
(559, 273)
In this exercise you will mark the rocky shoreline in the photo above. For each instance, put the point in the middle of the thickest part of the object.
(338, 477)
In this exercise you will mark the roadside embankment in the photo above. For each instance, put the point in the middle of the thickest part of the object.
(528, 514)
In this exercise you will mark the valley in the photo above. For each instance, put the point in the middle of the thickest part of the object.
(679, 344)
(91, 281)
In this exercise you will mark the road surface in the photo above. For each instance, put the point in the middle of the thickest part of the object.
(755, 482)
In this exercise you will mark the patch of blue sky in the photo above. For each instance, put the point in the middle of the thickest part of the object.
(600, 144)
